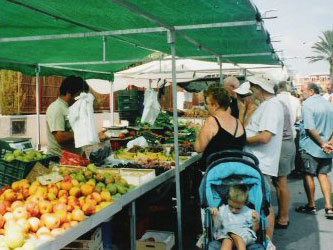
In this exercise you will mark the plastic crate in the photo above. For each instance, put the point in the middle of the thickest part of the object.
(128, 106)
(17, 170)
(128, 99)
(133, 92)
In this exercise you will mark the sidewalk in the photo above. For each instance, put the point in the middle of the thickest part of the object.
(305, 231)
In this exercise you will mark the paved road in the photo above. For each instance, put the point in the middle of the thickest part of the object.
(305, 232)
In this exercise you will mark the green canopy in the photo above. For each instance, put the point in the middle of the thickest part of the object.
(38, 32)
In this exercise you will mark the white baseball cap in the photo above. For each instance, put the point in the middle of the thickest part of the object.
(263, 81)
(243, 89)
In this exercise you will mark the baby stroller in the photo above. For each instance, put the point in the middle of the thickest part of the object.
(224, 169)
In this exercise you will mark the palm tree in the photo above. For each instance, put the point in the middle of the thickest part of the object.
(324, 50)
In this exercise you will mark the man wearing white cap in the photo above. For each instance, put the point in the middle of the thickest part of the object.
(264, 132)
(246, 103)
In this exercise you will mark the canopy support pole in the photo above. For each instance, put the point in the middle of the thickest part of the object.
(221, 74)
(38, 146)
(133, 225)
(112, 104)
(172, 42)
(104, 48)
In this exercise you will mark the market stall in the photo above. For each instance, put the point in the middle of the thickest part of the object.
(95, 42)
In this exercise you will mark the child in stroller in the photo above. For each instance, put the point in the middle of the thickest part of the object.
(224, 170)
(236, 223)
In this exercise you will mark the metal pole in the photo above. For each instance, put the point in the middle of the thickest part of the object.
(104, 48)
(221, 74)
(172, 42)
(133, 226)
(38, 106)
(112, 104)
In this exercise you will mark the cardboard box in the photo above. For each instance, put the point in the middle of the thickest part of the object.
(163, 241)
(89, 241)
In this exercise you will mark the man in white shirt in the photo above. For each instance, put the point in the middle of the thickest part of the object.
(264, 132)
(329, 95)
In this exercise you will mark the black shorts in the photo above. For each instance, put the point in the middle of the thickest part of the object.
(314, 166)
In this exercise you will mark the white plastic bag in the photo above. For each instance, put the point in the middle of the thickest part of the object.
(140, 141)
(82, 120)
(151, 107)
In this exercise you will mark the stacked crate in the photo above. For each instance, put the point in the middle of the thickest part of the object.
(130, 104)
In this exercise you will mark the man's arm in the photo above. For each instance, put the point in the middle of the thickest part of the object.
(63, 137)
(263, 137)
(315, 135)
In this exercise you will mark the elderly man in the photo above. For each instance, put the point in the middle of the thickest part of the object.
(230, 84)
(317, 147)
(264, 132)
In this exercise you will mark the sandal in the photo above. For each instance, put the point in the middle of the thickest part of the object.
(306, 209)
(278, 225)
(329, 213)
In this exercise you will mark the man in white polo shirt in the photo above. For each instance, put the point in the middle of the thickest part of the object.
(264, 132)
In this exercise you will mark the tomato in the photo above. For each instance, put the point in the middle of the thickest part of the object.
(122, 136)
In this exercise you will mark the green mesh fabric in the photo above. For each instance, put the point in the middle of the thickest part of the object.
(47, 18)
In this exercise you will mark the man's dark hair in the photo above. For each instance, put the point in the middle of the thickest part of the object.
(314, 87)
(283, 86)
(73, 85)
(276, 89)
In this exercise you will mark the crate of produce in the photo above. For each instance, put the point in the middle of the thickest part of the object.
(159, 240)
(137, 176)
(17, 169)
(89, 241)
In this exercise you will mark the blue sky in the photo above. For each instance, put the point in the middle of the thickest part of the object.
(299, 24)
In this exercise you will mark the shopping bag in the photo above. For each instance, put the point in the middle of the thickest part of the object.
(151, 107)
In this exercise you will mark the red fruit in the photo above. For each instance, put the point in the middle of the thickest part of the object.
(132, 133)
(122, 136)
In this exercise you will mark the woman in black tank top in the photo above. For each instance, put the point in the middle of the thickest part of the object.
(221, 131)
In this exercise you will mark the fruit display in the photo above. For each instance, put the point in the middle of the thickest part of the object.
(27, 156)
(31, 213)
(71, 159)
(196, 112)
(160, 167)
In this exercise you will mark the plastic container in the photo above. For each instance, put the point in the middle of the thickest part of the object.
(17, 170)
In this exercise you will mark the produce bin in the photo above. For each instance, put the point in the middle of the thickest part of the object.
(17, 170)
(89, 241)
(159, 240)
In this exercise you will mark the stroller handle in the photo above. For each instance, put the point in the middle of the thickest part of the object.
(231, 153)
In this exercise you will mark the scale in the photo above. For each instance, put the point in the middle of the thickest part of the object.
(15, 143)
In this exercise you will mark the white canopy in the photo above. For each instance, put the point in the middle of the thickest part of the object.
(157, 73)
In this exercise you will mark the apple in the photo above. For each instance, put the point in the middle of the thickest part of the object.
(28, 245)
(41, 191)
(60, 206)
(45, 207)
(9, 195)
(53, 189)
(45, 237)
(19, 196)
(106, 196)
(69, 217)
(3, 208)
(51, 221)
(25, 193)
(82, 200)
(35, 183)
(75, 183)
(62, 193)
(105, 204)
(89, 208)
(87, 189)
(2, 221)
(57, 231)
(32, 236)
(43, 230)
(32, 208)
(36, 198)
(34, 224)
(16, 186)
(24, 224)
(62, 215)
(97, 197)
(66, 226)
(75, 191)
(89, 199)
(78, 215)
(8, 216)
(72, 203)
(14, 236)
(33, 189)
(66, 185)
(73, 223)
(51, 196)
(16, 204)
(63, 199)
(20, 213)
